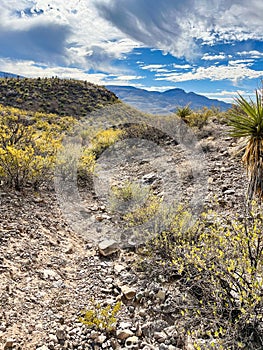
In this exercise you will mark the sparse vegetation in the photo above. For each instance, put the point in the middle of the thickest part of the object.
(183, 112)
(100, 140)
(53, 95)
(28, 146)
(218, 265)
(216, 262)
(135, 203)
(198, 119)
(101, 317)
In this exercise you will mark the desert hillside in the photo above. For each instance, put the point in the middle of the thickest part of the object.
(54, 95)
(145, 244)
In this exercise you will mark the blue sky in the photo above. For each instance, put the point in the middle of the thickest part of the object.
(212, 47)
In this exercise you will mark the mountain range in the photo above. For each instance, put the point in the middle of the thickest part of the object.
(156, 102)
(164, 102)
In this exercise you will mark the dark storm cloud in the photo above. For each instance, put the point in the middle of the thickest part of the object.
(40, 42)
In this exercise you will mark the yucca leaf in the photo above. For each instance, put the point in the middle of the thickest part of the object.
(247, 122)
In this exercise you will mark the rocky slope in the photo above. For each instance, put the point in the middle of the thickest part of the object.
(49, 273)
(53, 95)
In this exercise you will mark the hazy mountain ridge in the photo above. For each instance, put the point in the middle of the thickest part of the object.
(164, 102)
(8, 75)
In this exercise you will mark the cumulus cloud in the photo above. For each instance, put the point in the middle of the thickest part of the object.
(153, 67)
(92, 34)
(128, 77)
(182, 66)
(58, 32)
(227, 96)
(31, 69)
(174, 26)
(252, 54)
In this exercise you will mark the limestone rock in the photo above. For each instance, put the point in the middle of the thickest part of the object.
(118, 268)
(49, 274)
(108, 247)
(161, 294)
(61, 334)
(128, 292)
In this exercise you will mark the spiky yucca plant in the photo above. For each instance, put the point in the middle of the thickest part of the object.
(248, 124)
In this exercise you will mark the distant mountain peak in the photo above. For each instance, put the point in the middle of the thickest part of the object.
(164, 102)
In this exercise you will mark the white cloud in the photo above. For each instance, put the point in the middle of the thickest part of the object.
(129, 77)
(208, 57)
(157, 68)
(234, 73)
(243, 63)
(92, 34)
(173, 26)
(85, 39)
(32, 69)
(253, 54)
(226, 96)
(160, 88)
(182, 66)
(153, 67)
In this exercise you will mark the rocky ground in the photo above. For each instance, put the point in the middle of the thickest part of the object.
(49, 273)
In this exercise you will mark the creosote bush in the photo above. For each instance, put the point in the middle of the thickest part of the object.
(136, 203)
(28, 145)
(101, 317)
(29, 142)
(198, 119)
(97, 141)
(183, 112)
(218, 263)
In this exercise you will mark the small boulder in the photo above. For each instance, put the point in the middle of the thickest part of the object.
(128, 292)
(161, 295)
(108, 247)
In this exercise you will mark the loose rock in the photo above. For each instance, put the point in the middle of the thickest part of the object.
(108, 247)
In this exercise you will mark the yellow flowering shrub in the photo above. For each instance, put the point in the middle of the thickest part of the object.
(101, 317)
(28, 145)
(98, 142)
(218, 263)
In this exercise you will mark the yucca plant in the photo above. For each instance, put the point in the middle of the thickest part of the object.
(183, 112)
(246, 122)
